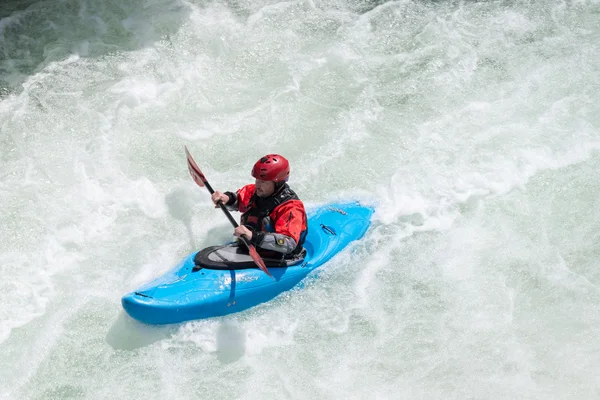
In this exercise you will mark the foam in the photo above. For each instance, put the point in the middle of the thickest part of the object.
(462, 124)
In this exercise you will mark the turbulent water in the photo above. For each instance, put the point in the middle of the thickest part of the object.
(473, 128)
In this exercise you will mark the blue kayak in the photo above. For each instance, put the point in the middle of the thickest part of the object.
(190, 292)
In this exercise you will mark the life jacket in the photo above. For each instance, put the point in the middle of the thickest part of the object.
(259, 209)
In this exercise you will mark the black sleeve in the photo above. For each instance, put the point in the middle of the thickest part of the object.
(232, 198)
(257, 237)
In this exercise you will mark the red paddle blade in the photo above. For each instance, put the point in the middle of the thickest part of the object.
(258, 260)
(195, 172)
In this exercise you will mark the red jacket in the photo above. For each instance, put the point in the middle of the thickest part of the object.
(288, 218)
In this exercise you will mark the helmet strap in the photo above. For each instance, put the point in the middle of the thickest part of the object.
(278, 186)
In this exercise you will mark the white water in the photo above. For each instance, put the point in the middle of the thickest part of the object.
(473, 127)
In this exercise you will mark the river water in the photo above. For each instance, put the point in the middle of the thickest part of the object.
(472, 127)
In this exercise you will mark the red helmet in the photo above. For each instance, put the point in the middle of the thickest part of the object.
(272, 167)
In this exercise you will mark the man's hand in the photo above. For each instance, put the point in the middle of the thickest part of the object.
(243, 231)
(218, 196)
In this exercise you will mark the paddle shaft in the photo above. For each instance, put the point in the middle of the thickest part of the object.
(223, 206)
(227, 213)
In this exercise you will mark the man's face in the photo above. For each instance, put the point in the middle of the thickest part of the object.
(264, 188)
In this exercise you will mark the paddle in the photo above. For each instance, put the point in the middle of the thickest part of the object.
(201, 181)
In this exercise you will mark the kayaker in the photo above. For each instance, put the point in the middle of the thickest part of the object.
(273, 217)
